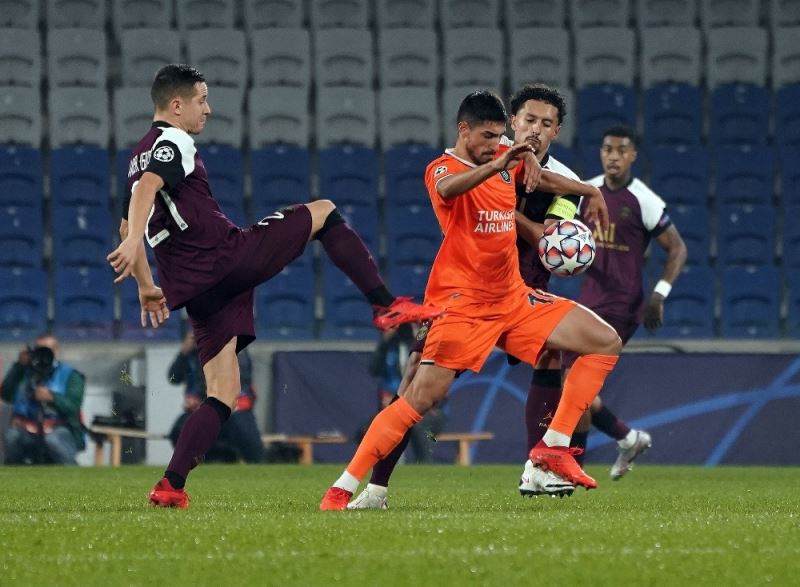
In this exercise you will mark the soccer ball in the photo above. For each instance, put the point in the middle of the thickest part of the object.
(567, 248)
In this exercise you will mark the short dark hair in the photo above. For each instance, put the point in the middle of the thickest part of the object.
(542, 93)
(621, 131)
(175, 79)
(482, 106)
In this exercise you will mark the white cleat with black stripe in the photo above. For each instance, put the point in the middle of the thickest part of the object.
(535, 481)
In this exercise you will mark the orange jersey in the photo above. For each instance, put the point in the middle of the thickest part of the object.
(478, 256)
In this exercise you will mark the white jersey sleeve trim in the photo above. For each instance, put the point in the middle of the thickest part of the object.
(558, 167)
(651, 204)
(185, 145)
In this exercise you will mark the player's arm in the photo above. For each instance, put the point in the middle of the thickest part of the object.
(594, 205)
(457, 184)
(670, 240)
(151, 298)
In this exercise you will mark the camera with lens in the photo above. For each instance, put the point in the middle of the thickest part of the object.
(42, 364)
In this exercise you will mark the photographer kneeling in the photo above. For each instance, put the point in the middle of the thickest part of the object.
(47, 396)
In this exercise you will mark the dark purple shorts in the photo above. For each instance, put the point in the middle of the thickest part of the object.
(625, 327)
(226, 310)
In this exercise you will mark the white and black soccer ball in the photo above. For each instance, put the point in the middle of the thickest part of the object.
(567, 248)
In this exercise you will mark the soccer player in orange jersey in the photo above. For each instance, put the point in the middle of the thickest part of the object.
(476, 278)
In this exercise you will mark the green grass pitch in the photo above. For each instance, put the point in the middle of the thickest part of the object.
(259, 525)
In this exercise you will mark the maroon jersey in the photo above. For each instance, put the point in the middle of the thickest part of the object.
(534, 206)
(613, 283)
(194, 242)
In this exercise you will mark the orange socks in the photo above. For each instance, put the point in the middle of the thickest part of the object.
(583, 383)
(385, 433)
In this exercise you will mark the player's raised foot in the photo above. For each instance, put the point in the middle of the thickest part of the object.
(536, 481)
(402, 310)
(624, 463)
(374, 497)
(561, 461)
(164, 495)
(335, 499)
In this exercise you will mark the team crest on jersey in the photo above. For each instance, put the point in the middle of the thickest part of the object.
(505, 176)
(439, 170)
(626, 212)
(164, 154)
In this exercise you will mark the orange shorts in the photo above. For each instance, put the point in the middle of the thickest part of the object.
(470, 329)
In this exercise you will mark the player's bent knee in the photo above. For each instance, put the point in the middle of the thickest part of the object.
(324, 215)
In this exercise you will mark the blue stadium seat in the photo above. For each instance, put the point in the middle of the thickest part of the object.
(404, 168)
(739, 115)
(23, 303)
(601, 106)
(673, 114)
(84, 303)
(21, 176)
(750, 302)
(744, 175)
(787, 116)
(693, 223)
(793, 313)
(791, 238)
(689, 309)
(81, 235)
(680, 174)
(347, 313)
(225, 167)
(348, 174)
(280, 176)
(131, 326)
(363, 217)
(80, 176)
(414, 234)
(746, 234)
(410, 280)
(790, 175)
(21, 236)
(285, 304)
(567, 156)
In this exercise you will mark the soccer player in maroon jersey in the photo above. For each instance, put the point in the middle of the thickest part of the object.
(537, 112)
(613, 283)
(210, 266)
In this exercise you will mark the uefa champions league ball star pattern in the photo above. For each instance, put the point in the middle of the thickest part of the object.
(567, 248)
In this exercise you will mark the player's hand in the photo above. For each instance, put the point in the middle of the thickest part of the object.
(42, 394)
(512, 156)
(595, 209)
(123, 257)
(654, 313)
(533, 171)
(154, 305)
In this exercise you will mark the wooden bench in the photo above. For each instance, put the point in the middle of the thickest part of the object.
(304, 442)
(115, 435)
(465, 441)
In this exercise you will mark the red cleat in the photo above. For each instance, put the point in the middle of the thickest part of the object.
(561, 461)
(334, 499)
(403, 310)
(164, 495)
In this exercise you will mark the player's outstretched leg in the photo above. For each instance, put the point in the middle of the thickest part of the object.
(375, 494)
(201, 428)
(348, 252)
(598, 347)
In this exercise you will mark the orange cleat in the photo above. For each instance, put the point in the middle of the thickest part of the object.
(334, 499)
(164, 495)
(561, 461)
(402, 310)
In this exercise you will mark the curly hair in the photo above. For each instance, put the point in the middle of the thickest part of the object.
(542, 93)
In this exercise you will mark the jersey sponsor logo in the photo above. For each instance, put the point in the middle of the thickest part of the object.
(274, 216)
(164, 153)
(493, 221)
(439, 170)
(505, 176)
